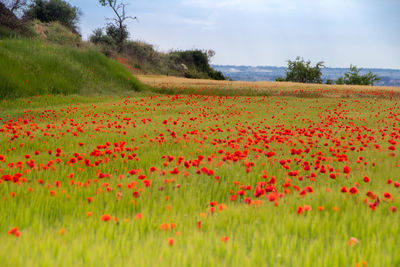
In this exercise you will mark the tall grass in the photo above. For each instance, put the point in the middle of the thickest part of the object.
(264, 235)
(29, 67)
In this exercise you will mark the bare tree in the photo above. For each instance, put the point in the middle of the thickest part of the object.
(119, 10)
(14, 5)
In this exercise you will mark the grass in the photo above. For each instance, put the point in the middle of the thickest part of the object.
(30, 67)
(234, 134)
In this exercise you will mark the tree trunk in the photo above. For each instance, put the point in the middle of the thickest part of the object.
(121, 37)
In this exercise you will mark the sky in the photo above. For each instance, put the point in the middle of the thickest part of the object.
(265, 32)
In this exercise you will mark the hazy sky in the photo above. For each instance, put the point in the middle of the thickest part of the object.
(266, 32)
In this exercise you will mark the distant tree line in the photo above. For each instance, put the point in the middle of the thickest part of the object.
(303, 72)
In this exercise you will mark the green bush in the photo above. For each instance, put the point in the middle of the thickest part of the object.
(329, 81)
(197, 64)
(111, 37)
(54, 10)
(302, 72)
(353, 77)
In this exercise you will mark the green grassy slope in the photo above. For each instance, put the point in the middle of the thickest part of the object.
(30, 67)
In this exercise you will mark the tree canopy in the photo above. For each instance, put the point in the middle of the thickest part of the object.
(54, 10)
(301, 71)
(354, 77)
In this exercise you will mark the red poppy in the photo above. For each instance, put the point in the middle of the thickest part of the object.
(300, 210)
(106, 217)
(387, 195)
(353, 190)
(393, 209)
(225, 239)
(14, 231)
(346, 169)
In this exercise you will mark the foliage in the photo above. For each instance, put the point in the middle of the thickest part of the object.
(114, 32)
(340, 80)
(329, 81)
(301, 71)
(54, 10)
(197, 63)
(354, 77)
(98, 37)
(111, 37)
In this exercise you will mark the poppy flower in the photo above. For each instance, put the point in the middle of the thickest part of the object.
(346, 169)
(353, 190)
(225, 239)
(387, 195)
(307, 208)
(164, 226)
(15, 232)
(106, 218)
(300, 210)
(353, 241)
(213, 203)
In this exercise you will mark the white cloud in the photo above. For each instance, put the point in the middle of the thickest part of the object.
(203, 24)
(232, 4)
(281, 6)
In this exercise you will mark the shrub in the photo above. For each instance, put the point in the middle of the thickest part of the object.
(197, 62)
(98, 37)
(54, 10)
(329, 81)
(353, 77)
(301, 71)
(111, 37)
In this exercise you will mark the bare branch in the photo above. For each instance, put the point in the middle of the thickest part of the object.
(119, 10)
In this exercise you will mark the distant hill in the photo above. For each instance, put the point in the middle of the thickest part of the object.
(389, 77)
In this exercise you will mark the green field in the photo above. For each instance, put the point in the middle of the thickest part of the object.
(188, 180)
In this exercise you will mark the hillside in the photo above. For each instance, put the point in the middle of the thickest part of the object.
(30, 67)
(143, 58)
(48, 58)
